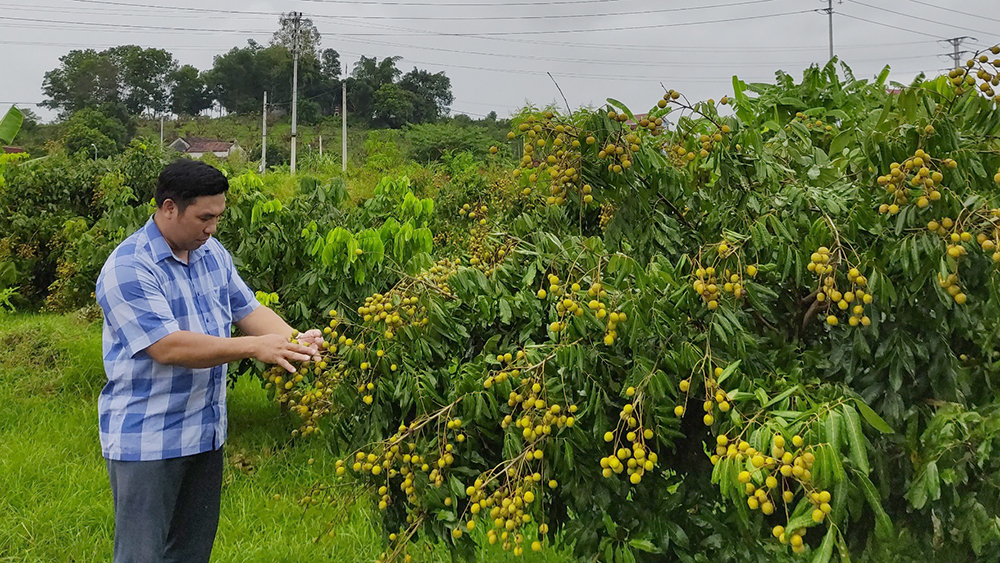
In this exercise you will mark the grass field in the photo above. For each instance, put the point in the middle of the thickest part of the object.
(55, 504)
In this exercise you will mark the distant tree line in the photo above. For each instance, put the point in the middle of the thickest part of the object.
(144, 81)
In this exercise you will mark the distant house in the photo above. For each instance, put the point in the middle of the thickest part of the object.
(12, 150)
(196, 147)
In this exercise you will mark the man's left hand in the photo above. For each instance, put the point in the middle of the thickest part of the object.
(313, 339)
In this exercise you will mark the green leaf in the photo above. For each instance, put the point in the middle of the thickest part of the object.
(10, 125)
(883, 524)
(781, 396)
(609, 524)
(833, 424)
(728, 371)
(801, 521)
(856, 439)
(840, 142)
(825, 550)
(871, 417)
(505, 312)
(932, 481)
(644, 545)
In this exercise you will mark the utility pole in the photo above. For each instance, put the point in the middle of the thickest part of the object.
(161, 131)
(263, 141)
(343, 121)
(829, 12)
(295, 84)
(321, 146)
(957, 52)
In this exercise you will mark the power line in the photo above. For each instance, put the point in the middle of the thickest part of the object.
(591, 30)
(463, 4)
(662, 64)
(632, 62)
(419, 32)
(134, 26)
(555, 16)
(82, 10)
(905, 15)
(218, 48)
(644, 47)
(954, 11)
(698, 49)
(416, 32)
(439, 18)
(886, 25)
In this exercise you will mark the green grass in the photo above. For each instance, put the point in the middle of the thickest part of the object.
(55, 501)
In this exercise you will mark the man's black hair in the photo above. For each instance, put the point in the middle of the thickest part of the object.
(184, 180)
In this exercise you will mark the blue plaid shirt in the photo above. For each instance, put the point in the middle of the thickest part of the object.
(148, 410)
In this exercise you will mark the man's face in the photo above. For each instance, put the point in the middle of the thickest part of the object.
(192, 228)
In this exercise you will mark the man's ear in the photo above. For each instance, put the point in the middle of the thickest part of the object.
(169, 208)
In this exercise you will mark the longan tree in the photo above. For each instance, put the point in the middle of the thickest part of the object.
(694, 335)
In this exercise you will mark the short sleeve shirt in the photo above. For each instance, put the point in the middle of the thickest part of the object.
(147, 410)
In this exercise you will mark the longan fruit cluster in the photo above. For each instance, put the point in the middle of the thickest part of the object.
(774, 476)
(506, 371)
(310, 400)
(551, 154)
(394, 310)
(488, 255)
(914, 178)
(950, 283)
(979, 70)
(710, 287)
(635, 458)
(853, 300)
(471, 212)
(509, 503)
(707, 141)
(307, 391)
(572, 304)
(509, 506)
(620, 155)
(716, 397)
(398, 456)
(437, 275)
(813, 124)
(540, 417)
(607, 214)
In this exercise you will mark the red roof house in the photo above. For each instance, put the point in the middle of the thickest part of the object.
(196, 147)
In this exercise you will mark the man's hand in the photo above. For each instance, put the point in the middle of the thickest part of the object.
(311, 338)
(276, 349)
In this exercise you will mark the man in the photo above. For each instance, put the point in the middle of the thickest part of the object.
(170, 293)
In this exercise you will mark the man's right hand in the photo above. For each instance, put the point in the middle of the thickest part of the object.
(276, 349)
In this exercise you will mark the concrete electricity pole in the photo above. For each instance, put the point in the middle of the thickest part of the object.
(343, 121)
(263, 141)
(297, 22)
(829, 12)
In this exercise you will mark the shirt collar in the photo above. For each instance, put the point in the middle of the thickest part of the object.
(161, 250)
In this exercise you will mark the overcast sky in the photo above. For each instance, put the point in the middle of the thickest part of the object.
(497, 52)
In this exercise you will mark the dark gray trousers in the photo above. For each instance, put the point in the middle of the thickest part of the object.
(166, 511)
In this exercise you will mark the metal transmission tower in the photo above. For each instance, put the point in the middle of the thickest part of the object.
(829, 12)
(297, 24)
(957, 52)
